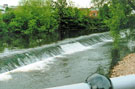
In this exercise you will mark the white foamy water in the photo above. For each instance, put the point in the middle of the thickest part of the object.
(72, 47)
(40, 65)
(28, 68)
(68, 48)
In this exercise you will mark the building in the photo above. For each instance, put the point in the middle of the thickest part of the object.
(92, 12)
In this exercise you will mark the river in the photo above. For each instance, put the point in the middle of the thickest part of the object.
(65, 62)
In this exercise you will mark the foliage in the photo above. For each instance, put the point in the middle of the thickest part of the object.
(104, 12)
(74, 21)
(69, 18)
(38, 22)
(116, 19)
(131, 22)
(116, 14)
(29, 20)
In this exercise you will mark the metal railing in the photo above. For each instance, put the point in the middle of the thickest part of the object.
(97, 81)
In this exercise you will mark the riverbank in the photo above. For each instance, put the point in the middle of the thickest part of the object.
(125, 66)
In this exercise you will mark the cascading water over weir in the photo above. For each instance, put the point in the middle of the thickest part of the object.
(62, 63)
(15, 59)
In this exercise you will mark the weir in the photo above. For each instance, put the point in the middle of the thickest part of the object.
(62, 63)
(10, 60)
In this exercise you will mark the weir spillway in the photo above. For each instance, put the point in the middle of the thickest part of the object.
(62, 63)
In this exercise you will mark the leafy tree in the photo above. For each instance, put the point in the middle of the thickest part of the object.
(31, 21)
(60, 6)
(69, 17)
(104, 12)
(115, 14)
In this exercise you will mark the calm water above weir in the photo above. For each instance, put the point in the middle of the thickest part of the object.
(66, 62)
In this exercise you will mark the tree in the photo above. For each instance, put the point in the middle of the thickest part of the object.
(69, 18)
(117, 18)
(38, 19)
(60, 6)
(115, 14)
(31, 21)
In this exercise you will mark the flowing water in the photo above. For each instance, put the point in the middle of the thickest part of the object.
(66, 62)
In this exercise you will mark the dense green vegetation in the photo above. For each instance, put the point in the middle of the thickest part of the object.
(118, 15)
(38, 22)
(29, 23)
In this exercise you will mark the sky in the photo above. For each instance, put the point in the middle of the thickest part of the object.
(78, 3)
(9, 2)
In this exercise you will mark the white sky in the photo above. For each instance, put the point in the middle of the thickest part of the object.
(78, 3)
(82, 3)
(9, 2)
